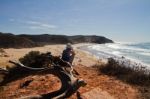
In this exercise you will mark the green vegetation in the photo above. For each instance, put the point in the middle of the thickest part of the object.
(35, 59)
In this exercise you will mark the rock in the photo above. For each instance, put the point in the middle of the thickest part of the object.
(26, 83)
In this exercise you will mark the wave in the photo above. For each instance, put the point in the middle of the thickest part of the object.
(139, 52)
(131, 47)
(146, 54)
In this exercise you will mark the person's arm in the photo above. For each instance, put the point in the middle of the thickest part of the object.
(72, 52)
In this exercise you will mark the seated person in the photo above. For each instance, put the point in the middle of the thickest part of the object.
(68, 54)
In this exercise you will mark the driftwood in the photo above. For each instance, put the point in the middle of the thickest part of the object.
(3, 71)
(69, 83)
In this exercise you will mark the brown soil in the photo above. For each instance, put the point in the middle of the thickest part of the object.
(98, 85)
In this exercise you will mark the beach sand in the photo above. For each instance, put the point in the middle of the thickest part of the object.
(98, 85)
(80, 58)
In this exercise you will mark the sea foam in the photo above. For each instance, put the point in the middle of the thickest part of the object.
(134, 53)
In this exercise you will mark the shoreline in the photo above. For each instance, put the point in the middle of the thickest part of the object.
(122, 59)
(81, 49)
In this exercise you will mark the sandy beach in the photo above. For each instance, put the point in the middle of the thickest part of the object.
(98, 85)
(81, 57)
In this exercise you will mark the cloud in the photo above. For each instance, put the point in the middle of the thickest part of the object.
(11, 20)
(34, 25)
(48, 26)
(39, 25)
(32, 22)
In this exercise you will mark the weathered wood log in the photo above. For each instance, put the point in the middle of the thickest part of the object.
(18, 71)
(3, 71)
(69, 83)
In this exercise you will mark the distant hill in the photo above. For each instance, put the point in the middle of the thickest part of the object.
(8, 40)
(89, 39)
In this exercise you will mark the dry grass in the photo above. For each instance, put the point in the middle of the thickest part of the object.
(133, 75)
(3, 53)
(137, 76)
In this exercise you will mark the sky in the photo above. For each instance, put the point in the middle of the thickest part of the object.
(119, 20)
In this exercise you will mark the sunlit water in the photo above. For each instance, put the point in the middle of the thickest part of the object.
(136, 52)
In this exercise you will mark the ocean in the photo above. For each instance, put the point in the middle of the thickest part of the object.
(138, 53)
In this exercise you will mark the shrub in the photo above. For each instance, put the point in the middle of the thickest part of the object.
(2, 50)
(132, 75)
(35, 59)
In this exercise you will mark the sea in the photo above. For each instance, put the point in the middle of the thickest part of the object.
(131, 53)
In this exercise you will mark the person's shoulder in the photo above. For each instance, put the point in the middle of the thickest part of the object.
(73, 51)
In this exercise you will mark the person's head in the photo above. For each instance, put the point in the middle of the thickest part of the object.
(69, 46)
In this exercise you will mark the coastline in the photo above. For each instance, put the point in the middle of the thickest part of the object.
(83, 54)
(99, 85)
(100, 55)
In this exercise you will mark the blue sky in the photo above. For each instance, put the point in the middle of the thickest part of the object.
(120, 20)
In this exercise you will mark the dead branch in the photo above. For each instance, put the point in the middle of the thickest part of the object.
(69, 83)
